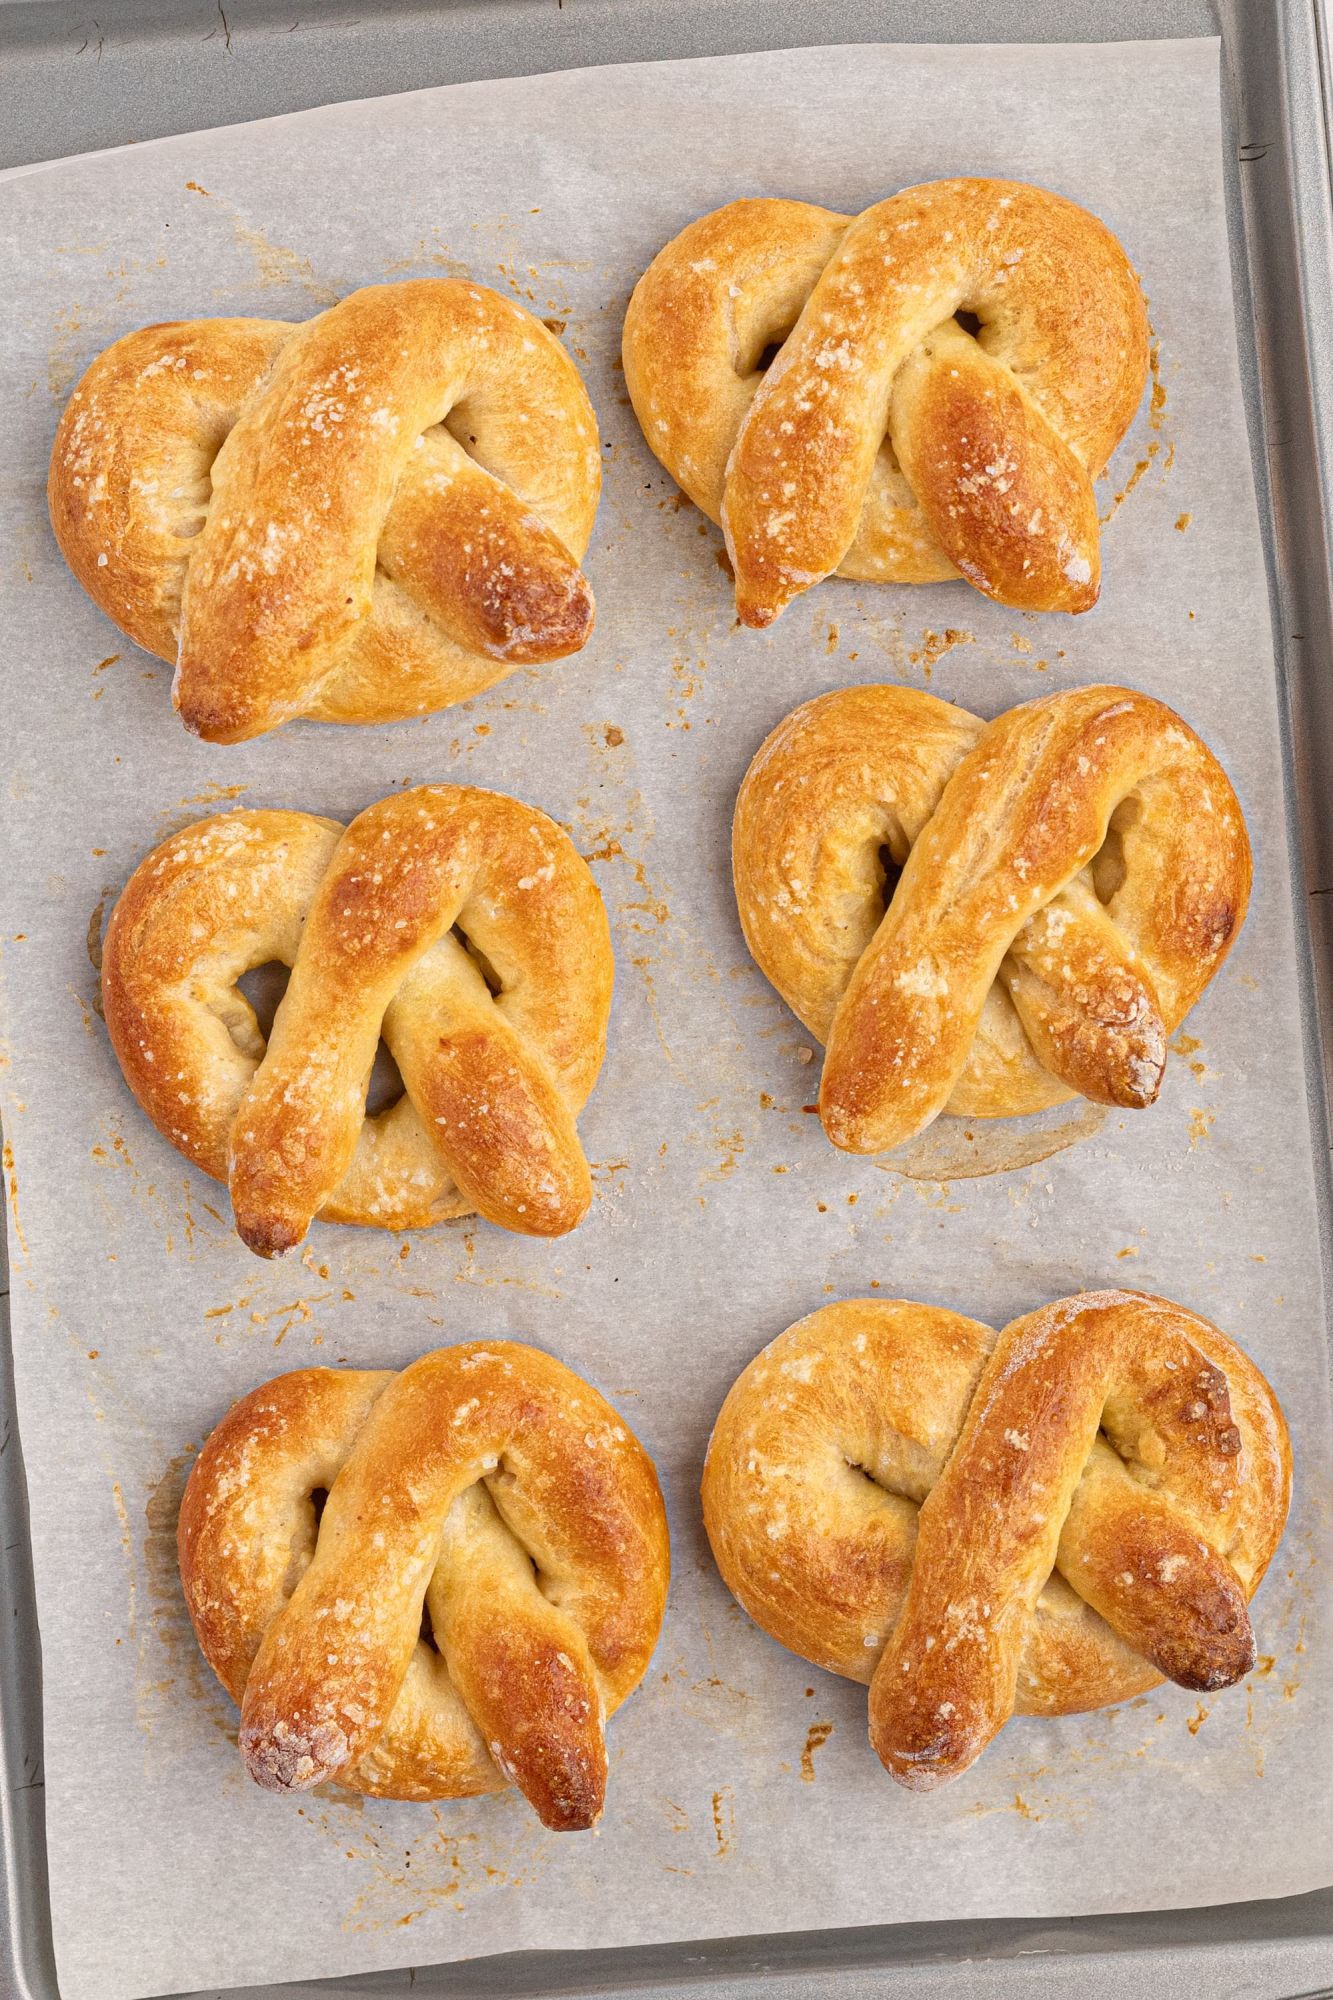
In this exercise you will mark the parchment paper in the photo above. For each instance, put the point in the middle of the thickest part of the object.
(743, 1796)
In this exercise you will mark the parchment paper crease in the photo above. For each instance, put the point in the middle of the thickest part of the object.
(743, 1795)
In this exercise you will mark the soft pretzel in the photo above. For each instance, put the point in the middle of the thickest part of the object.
(886, 441)
(363, 517)
(1072, 876)
(458, 924)
(1040, 1521)
(483, 1587)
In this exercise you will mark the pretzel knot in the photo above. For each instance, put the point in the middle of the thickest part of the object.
(1072, 876)
(888, 441)
(484, 1585)
(361, 518)
(1038, 1522)
(458, 924)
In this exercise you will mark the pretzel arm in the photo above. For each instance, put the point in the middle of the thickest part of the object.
(1130, 1555)
(1086, 1002)
(521, 1666)
(488, 1098)
(1005, 495)
(471, 552)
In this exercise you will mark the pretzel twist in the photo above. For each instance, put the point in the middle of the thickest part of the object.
(886, 442)
(487, 1490)
(1072, 876)
(458, 924)
(364, 517)
(1039, 1522)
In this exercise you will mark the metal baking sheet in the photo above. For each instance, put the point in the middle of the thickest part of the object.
(1280, 216)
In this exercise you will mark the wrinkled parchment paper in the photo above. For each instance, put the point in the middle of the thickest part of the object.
(743, 1794)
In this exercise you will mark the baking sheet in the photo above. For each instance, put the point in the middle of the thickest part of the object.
(738, 1802)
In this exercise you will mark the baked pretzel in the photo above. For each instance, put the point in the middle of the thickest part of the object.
(483, 1587)
(1072, 876)
(360, 518)
(458, 924)
(887, 441)
(1040, 1521)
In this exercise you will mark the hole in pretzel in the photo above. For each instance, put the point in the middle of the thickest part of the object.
(263, 986)
(890, 874)
(969, 322)
(1108, 863)
(317, 1499)
(386, 1082)
(494, 983)
(768, 356)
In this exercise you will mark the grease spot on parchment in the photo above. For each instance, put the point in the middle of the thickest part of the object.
(969, 1149)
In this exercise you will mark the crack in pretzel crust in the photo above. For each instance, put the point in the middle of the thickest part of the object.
(459, 925)
(1073, 875)
(487, 1497)
(360, 518)
(887, 442)
(976, 1525)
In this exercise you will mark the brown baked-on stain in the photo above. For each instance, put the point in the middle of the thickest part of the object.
(934, 645)
(1156, 419)
(614, 736)
(724, 1819)
(12, 1187)
(1201, 1123)
(1182, 522)
(1194, 1723)
(816, 1736)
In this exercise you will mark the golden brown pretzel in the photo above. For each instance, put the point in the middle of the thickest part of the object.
(886, 442)
(1037, 1522)
(487, 1485)
(363, 517)
(459, 924)
(1073, 875)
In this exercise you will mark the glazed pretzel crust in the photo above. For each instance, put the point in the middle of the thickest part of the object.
(487, 1482)
(398, 925)
(886, 442)
(360, 518)
(1073, 875)
(1038, 1522)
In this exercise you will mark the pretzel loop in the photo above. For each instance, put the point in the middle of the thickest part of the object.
(887, 441)
(363, 517)
(487, 1484)
(1040, 1522)
(457, 923)
(1072, 876)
